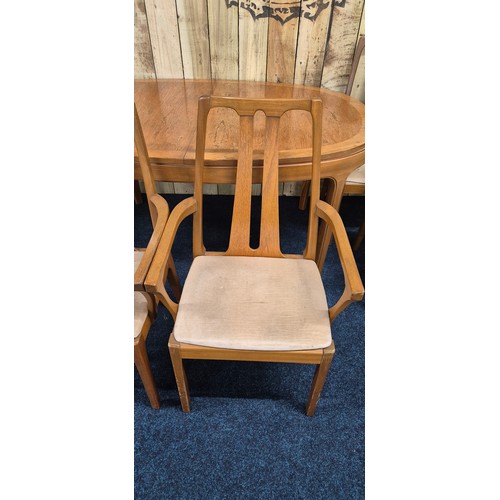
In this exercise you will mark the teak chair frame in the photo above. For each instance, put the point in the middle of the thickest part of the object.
(269, 232)
(349, 188)
(159, 212)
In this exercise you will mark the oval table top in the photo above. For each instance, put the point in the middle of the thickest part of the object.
(167, 110)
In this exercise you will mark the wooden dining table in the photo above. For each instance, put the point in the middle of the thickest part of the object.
(167, 110)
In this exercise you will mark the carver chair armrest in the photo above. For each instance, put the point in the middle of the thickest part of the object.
(353, 290)
(142, 270)
(155, 279)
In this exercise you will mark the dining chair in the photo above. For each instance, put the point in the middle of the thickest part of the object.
(145, 304)
(355, 183)
(254, 304)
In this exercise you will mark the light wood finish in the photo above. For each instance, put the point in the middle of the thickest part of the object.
(274, 111)
(358, 87)
(154, 282)
(252, 46)
(354, 289)
(311, 46)
(360, 49)
(319, 379)
(141, 361)
(310, 356)
(353, 187)
(193, 34)
(167, 108)
(162, 210)
(159, 212)
(223, 35)
(174, 348)
(247, 40)
(164, 35)
(154, 200)
(281, 50)
(143, 55)
(341, 45)
(349, 187)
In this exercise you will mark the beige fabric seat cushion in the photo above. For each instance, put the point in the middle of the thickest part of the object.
(140, 312)
(358, 176)
(253, 303)
(140, 302)
(137, 259)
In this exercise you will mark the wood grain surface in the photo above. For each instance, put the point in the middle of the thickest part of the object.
(167, 107)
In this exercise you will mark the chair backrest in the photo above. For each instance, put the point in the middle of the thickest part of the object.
(239, 241)
(145, 164)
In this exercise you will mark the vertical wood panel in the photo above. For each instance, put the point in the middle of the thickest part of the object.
(165, 187)
(208, 39)
(311, 48)
(164, 33)
(193, 32)
(223, 33)
(183, 187)
(143, 54)
(362, 23)
(225, 188)
(281, 50)
(252, 47)
(210, 189)
(341, 45)
(292, 188)
(358, 87)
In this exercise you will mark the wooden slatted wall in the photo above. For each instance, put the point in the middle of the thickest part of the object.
(236, 39)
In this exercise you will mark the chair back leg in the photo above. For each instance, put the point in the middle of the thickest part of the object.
(173, 279)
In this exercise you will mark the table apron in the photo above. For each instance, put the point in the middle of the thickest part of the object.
(339, 168)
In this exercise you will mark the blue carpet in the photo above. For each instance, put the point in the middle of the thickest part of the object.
(247, 435)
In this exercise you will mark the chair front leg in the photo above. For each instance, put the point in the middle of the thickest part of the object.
(319, 379)
(179, 372)
(141, 361)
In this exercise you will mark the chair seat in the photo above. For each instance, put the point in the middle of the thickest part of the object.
(140, 302)
(137, 258)
(358, 176)
(140, 312)
(253, 303)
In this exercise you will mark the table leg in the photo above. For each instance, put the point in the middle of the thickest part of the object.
(334, 198)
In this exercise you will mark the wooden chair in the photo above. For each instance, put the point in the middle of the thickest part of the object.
(254, 304)
(355, 184)
(145, 303)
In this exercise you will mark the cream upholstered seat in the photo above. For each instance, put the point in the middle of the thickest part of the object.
(357, 177)
(140, 302)
(137, 258)
(255, 303)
